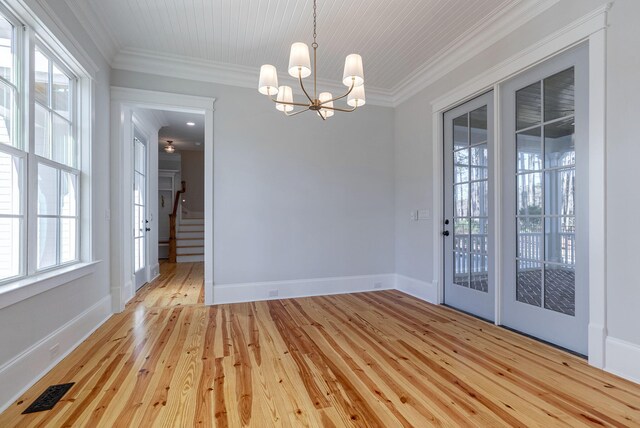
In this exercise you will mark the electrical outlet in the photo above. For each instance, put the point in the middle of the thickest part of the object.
(54, 351)
(377, 285)
(273, 293)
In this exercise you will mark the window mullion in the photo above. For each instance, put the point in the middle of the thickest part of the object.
(28, 128)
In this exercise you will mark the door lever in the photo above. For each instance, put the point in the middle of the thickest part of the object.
(445, 233)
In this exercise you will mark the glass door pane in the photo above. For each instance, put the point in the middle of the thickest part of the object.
(545, 212)
(139, 210)
(544, 165)
(468, 142)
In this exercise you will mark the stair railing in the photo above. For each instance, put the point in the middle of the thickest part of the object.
(173, 247)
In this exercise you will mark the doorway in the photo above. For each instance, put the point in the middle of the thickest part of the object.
(140, 217)
(468, 247)
(529, 270)
(545, 201)
(124, 101)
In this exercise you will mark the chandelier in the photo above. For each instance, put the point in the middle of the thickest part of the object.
(300, 68)
(169, 148)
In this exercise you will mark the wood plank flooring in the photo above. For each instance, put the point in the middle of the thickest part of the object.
(380, 359)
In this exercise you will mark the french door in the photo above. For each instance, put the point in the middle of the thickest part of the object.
(140, 223)
(544, 150)
(468, 243)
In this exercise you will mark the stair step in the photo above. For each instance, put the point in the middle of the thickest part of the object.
(191, 228)
(192, 221)
(190, 258)
(190, 250)
(189, 241)
(196, 235)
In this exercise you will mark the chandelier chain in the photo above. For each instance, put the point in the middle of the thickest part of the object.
(315, 14)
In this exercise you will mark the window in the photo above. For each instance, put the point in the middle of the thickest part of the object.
(40, 171)
(56, 154)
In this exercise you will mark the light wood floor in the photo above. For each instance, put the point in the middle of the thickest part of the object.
(372, 359)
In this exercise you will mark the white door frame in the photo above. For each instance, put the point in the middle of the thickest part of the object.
(123, 101)
(592, 29)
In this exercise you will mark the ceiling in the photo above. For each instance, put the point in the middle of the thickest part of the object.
(184, 137)
(395, 37)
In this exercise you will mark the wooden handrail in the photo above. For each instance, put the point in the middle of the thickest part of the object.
(173, 255)
(176, 200)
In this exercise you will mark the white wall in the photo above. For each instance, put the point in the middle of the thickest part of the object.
(294, 198)
(623, 174)
(30, 321)
(414, 179)
(193, 174)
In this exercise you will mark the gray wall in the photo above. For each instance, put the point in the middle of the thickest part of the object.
(296, 197)
(623, 174)
(27, 322)
(193, 175)
(413, 146)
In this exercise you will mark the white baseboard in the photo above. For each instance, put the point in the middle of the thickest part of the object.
(208, 293)
(19, 374)
(597, 344)
(154, 272)
(251, 292)
(419, 289)
(622, 359)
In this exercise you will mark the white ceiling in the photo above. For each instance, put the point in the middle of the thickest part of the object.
(184, 137)
(395, 37)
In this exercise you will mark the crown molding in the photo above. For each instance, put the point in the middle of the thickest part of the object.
(188, 68)
(475, 40)
(100, 34)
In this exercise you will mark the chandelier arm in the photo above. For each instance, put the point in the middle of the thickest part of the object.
(288, 103)
(341, 109)
(302, 85)
(296, 112)
(341, 96)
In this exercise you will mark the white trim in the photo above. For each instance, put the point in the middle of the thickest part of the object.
(591, 27)
(419, 289)
(597, 198)
(161, 100)
(257, 291)
(21, 289)
(123, 102)
(467, 46)
(578, 31)
(143, 61)
(40, 16)
(103, 38)
(23, 371)
(623, 358)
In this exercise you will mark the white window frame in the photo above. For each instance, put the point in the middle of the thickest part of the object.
(30, 31)
(36, 160)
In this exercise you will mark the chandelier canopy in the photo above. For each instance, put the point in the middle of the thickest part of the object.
(300, 68)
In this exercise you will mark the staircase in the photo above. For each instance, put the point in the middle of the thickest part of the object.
(190, 240)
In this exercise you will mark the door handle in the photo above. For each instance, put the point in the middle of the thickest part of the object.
(148, 229)
(445, 233)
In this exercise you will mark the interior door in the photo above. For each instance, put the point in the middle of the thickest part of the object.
(468, 243)
(544, 165)
(140, 222)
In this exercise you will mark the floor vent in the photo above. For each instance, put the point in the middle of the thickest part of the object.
(49, 398)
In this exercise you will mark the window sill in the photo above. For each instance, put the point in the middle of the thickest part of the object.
(21, 289)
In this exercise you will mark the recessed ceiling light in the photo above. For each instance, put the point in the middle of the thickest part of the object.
(191, 124)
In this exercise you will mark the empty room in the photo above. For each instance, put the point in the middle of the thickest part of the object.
(323, 213)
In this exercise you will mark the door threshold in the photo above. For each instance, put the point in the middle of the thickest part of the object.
(537, 339)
